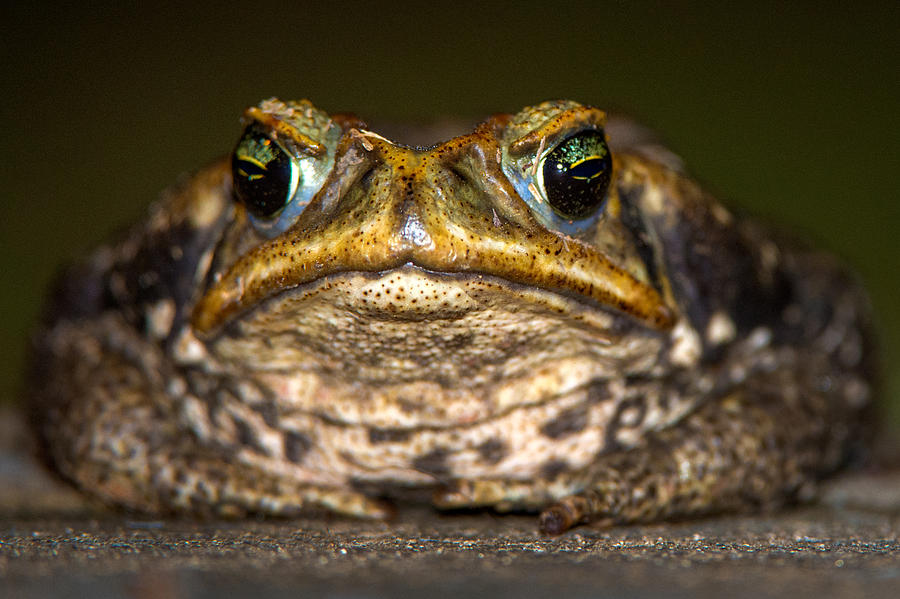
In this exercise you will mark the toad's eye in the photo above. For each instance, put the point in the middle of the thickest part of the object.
(264, 175)
(576, 175)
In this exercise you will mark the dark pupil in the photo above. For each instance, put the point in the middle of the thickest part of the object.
(261, 172)
(577, 174)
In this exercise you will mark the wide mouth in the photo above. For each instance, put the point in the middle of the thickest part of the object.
(576, 280)
(412, 294)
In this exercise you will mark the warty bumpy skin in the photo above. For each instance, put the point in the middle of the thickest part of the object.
(545, 314)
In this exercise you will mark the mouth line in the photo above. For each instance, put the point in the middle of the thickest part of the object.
(212, 313)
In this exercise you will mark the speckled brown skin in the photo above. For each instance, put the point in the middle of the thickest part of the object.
(420, 326)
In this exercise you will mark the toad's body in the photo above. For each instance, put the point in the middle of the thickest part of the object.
(517, 318)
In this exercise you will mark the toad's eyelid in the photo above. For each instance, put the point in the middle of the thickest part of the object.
(566, 122)
(295, 142)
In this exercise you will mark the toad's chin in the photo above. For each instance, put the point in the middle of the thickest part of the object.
(409, 324)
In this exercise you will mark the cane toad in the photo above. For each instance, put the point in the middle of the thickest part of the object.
(532, 316)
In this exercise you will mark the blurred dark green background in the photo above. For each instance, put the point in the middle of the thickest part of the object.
(789, 111)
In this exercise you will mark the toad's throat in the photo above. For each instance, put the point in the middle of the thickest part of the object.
(560, 265)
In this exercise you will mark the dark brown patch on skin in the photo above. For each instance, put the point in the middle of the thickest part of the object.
(634, 222)
(567, 423)
(269, 412)
(434, 463)
(598, 391)
(296, 445)
(492, 450)
(80, 292)
(408, 406)
(459, 340)
(205, 387)
(616, 424)
(553, 468)
(388, 435)
(246, 436)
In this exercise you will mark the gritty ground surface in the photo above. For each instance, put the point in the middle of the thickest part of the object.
(53, 544)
